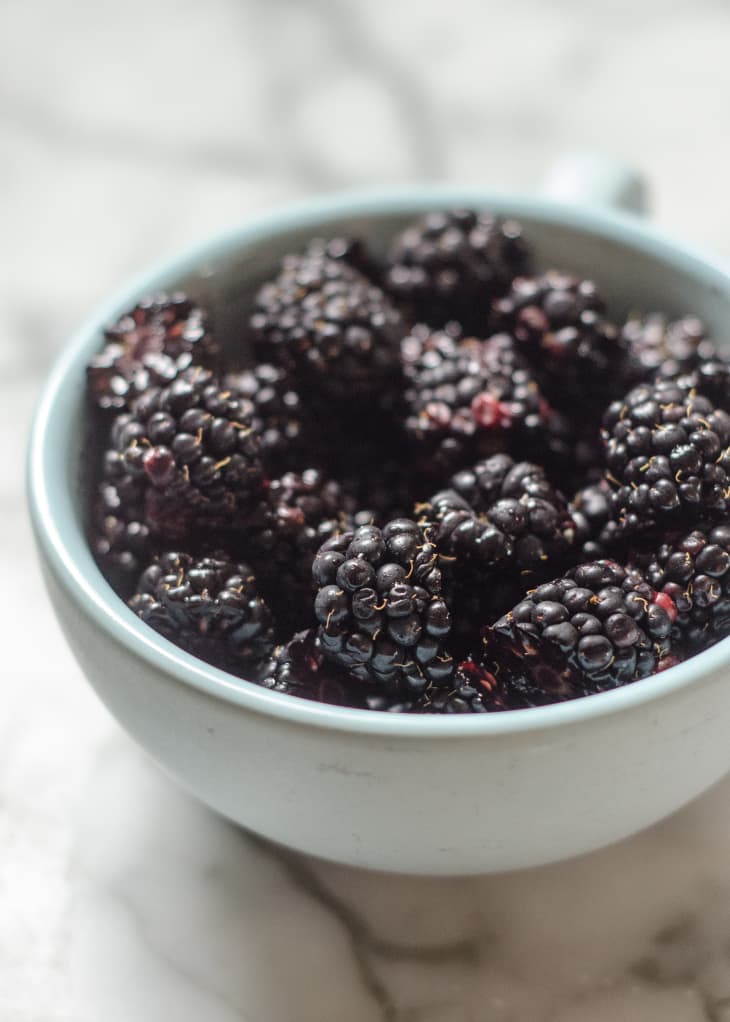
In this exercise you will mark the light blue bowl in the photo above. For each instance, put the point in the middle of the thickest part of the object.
(414, 794)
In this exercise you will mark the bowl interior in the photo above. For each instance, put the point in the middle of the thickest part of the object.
(635, 267)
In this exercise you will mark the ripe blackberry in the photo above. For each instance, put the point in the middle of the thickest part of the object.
(209, 606)
(149, 346)
(558, 323)
(694, 570)
(591, 510)
(300, 511)
(599, 627)
(188, 454)
(498, 524)
(329, 325)
(467, 398)
(284, 429)
(667, 456)
(120, 538)
(472, 689)
(380, 606)
(449, 266)
(502, 512)
(656, 346)
(300, 668)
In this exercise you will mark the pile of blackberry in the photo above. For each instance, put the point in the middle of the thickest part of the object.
(427, 482)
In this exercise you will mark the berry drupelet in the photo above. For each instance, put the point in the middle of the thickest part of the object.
(381, 609)
(149, 346)
(694, 570)
(209, 606)
(467, 398)
(184, 461)
(667, 455)
(449, 266)
(326, 323)
(600, 626)
(558, 323)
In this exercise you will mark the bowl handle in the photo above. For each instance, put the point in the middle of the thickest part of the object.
(596, 181)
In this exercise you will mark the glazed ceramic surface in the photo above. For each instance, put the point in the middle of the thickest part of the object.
(411, 794)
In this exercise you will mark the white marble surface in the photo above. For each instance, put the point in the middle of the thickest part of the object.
(127, 130)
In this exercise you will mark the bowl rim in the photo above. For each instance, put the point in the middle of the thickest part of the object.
(58, 530)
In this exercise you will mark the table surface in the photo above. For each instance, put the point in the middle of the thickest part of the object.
(127, 132)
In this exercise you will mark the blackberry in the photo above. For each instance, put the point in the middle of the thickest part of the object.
(467, 398)
(667, 455)
(186, 458)
(694, 570)
(449, 266)
(601, 626)
(120, 538)
(380, 607)
(558, 323)
(497, 524)
(149, 346)
(300, 511)
(329, 325)
(656, 346)
(300, 668)
(502, 512)
(473, 689)
(209, 606)
(591, 510)
(284, 429)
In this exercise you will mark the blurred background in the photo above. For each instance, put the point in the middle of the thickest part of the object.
(131, 129)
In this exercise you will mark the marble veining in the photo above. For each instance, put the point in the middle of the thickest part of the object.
(129, 131)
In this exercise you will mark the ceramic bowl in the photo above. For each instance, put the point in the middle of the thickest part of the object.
(424, 794)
